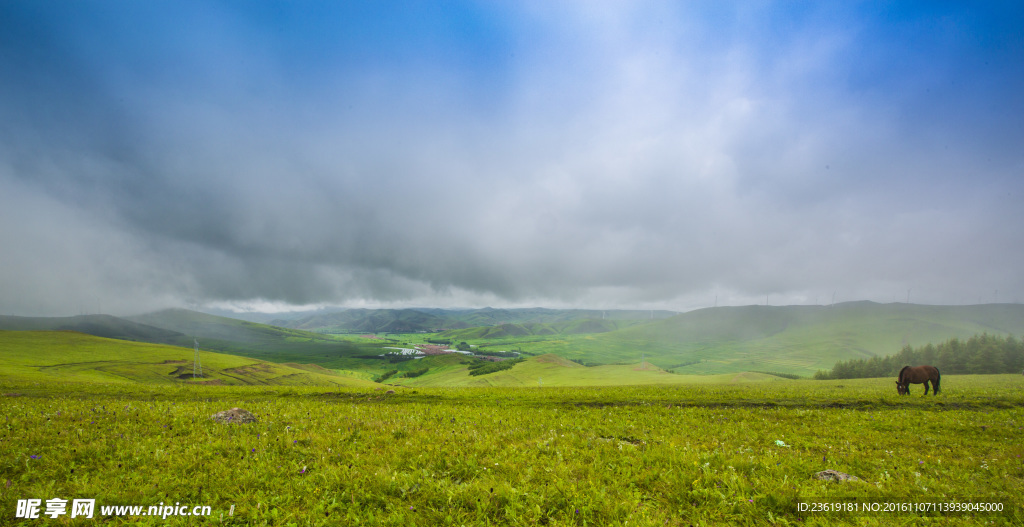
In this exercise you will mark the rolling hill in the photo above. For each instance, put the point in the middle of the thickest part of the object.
(238, 337)
(226, 335)
(201, 325)
(789, 339)
(796, 340)
(97, 325)
(71, 356)
(513, 330)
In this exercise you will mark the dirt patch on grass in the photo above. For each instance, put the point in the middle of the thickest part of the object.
(251, 369)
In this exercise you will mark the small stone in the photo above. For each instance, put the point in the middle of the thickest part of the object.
(234, 415)
(835, 475)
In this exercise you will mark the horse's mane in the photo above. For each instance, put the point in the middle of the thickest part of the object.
(900, 376)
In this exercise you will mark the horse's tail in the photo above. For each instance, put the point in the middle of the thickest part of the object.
(938, 378)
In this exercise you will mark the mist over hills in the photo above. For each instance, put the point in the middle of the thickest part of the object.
(106, 326)
(372, 321)
(796, 340)
(788, 339)
(414, 320)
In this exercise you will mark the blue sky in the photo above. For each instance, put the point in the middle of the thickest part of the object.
(592, 154)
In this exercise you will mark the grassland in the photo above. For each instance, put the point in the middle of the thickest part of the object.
(49, 356)
(225, 335)
(552, 370)
(789, 339)
(709, 454)
(796, 340)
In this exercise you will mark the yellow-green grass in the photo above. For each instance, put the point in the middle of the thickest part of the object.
(708, 454)
(551, 370)
(70, 356)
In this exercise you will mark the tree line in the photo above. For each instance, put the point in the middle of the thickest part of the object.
(979, 354)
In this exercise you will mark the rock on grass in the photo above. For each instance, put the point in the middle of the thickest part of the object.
(234, 415)
(834, 475)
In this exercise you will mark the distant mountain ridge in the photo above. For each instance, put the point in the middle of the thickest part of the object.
(372, 321)
(106, 326)
(788, 339)
(414, 320)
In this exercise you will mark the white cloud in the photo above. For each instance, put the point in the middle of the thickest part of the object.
(633, 156)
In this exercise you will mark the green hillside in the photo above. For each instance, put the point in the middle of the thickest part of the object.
(490, 316)
(97, 325)
(527, 329)
(796, 340)
(70, 356)
(789, 339)
(552, 370)
(193, 323)
(238, 337)
(226, 335)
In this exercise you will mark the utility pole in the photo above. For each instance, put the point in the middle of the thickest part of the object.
(197, 367)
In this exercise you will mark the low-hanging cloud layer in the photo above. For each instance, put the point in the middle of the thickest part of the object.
(562, 154)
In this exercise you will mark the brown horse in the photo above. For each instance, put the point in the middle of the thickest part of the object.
(918, 375)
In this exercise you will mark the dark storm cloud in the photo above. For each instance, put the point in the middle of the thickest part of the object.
(598, 156)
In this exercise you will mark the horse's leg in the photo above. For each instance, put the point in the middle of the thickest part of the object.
(925, 388)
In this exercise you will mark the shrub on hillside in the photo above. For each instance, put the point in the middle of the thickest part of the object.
(481, 367)
(416, 373)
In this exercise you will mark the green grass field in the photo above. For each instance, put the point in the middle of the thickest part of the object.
(707, 454)
(552, 370)
(49, 356)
